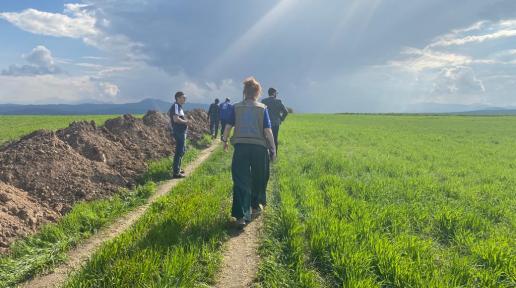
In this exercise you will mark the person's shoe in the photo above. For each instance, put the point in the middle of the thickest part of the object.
(240, 223)
(182, 171)
(178, 176)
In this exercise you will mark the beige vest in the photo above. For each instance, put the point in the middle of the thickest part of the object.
(249, 123)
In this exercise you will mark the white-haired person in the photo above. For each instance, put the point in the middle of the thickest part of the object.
(254, 143)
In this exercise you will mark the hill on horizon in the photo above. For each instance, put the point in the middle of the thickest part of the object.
(94, 108)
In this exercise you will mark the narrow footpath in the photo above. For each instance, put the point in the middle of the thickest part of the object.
(81, 253)
(241, 259)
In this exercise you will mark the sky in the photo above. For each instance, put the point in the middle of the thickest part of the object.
(322, 56)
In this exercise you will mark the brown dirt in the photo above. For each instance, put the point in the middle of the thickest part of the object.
(241, 259)
(83, 162)
(20, 214)
(80, 254)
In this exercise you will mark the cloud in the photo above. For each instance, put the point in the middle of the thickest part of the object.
(495, 30)
(59, 89)
(464, 66)
(40, 61)
(108, 89)
(75, 23)
(422, 59)
(457, 84)
(208, 91)
(79, 21)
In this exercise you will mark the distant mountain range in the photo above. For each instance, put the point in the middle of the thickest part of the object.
(163, 106)
(438, 108)
(93, 109)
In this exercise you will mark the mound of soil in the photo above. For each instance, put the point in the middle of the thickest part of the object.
(20, 214)
(84, 162)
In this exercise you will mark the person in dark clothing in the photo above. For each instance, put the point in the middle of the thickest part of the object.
(225, 109)
(277, 111)
(214, 118)
(179, 130)
(251, 139)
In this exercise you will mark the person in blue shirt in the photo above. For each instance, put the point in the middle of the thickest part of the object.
(254, 144)
(179, 129)
(225, 109)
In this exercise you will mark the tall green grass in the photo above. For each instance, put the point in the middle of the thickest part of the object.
(393, 201)
(47, 248)
(176, 243)
(13, 127)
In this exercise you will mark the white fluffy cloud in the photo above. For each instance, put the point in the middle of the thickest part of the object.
(40, 62)
(108, 89)
(460, 67)
(75, 23)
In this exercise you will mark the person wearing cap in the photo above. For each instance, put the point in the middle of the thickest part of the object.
(251, 139)
(214, 118)
(225, 109)
(179, 129)
(277, 111)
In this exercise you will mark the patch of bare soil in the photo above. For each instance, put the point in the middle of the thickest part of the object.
(20, 214)
(83, 162)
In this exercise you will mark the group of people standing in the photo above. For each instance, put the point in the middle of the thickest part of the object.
(218, 114)
(255, 140)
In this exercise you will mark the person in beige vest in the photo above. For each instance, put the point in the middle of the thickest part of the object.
(254, 144)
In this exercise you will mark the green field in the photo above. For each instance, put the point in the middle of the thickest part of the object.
(393, 201)
(355, 201)
(13, 127)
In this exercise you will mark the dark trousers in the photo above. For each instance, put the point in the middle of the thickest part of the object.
(275, 132)
(223, 126)
(180, 151)
(214, 127)
(250, 175)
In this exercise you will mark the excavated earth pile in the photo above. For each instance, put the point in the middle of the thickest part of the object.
(44, 173)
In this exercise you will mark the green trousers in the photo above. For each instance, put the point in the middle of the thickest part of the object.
(250, 171)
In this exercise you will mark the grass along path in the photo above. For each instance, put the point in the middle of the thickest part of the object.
(176, 243)
(82, 252)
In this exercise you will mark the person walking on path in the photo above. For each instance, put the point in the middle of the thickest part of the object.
(225, 109)
(214, 118)
(251, 139)
(179, 130)
(277, 112)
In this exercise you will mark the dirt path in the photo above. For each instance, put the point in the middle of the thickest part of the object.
(83, 251)
(241, 259)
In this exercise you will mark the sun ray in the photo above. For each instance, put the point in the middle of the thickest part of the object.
(250, 37)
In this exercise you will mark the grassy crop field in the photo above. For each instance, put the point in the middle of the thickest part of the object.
(13, 127)
(392, 201)
(355, 201)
